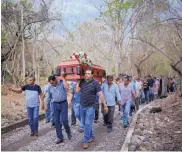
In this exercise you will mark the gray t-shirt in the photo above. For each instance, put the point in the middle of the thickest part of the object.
(32, 95)
(126, 93)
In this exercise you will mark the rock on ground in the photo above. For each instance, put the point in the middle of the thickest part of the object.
(159, 131)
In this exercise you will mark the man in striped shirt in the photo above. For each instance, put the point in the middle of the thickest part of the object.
(88, 90)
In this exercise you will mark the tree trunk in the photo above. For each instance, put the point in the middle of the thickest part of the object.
(23, 46)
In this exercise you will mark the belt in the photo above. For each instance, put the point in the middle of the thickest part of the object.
(60, 102)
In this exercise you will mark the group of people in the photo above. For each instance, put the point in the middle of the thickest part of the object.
(86, 95)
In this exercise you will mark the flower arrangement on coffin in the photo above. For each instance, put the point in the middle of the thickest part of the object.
(82, 57)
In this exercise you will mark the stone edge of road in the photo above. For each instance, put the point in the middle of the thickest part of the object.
(18, 124)
(131, 129)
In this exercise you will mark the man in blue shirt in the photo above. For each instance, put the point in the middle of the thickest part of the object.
(73, 117)
(57, 95)
(88, 89)
(33, 92)
(76, 106)
(110, 90)
(48, 110)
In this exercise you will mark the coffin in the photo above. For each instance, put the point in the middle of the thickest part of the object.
(74, 70)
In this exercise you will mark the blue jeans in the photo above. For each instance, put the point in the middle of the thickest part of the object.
(151, 94)
(33, 117)
(146, 96)
(87, 115)
(61, 117)
(126, 111)
(76, 108)
(73, 117)
(48, 112)
(52, 113)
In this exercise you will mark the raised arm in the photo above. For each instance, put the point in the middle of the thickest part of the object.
(77, 89)
(17, 90)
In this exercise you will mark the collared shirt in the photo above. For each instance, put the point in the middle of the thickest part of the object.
(88, 91)
(57, 93)
(32, 95)
(44, 90)
(76, 96)
(111, 93)
(103, 83)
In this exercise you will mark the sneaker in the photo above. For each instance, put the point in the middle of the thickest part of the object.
(59, 141)
(90, 140)
(125, 125)
(31, 134)
(53, 125)
(81, 130)
(95, 121)
(104, 124)
(36, 134)
(69, 135)
(109, 130)
(85, 145)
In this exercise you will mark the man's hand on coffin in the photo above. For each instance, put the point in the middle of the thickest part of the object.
(63, 75)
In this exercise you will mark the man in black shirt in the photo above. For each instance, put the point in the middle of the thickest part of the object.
(88, 89)
(150, 83)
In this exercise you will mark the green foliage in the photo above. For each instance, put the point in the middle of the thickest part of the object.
(23, 2)
(41, 58)
(3, 38)
(29, 5)
(7, 4)
(113, 70)
(116, 5)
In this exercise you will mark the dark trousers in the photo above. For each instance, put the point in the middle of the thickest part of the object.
(73, 117)
(96, 112)
(119, 107)
(108, 118)
(61, 117)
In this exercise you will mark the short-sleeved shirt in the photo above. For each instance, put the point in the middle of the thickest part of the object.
(111, 93)
(126, 93)
(88, 91)
(32, 95)
(76, 96)
(57, 93)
